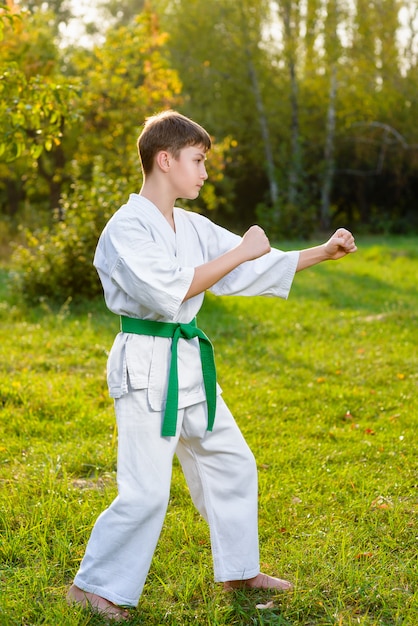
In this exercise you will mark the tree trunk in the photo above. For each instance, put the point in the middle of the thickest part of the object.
(265, 133)
(262, 118)
(295, 147)
(329, 161)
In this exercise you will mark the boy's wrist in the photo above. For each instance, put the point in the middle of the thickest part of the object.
(312, 256)
(240, 254)
(326, 254)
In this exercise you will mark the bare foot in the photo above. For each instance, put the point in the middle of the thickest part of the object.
(261, 581)
(98, 604)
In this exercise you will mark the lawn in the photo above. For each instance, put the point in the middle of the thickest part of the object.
(324, 388)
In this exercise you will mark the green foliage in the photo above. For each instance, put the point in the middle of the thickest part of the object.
(255, 73)
(125, 79)
(323, 387)
(56, 263)
(218, 88)
(287, 221)
(293, 46)
(34, 104)
(32, 113)
(7, 19)
(44, 128)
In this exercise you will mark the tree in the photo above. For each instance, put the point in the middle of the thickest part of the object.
(36, 102)
(124, 12)
(374, 96)
(299, 93)
(249, 46)
(332, 51)
(124, 80)
(289, 12)
(33, 106)
(229, 86)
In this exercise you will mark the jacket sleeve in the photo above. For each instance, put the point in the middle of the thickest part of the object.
(134, 268)
(269, 275)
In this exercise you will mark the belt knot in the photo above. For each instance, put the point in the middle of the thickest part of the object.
(177, 331)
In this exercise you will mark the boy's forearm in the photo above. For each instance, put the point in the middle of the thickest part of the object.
(206, 275)
(339, 245)
(253, 244)
(311, 256)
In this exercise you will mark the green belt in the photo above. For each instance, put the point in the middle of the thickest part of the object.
(177, 331)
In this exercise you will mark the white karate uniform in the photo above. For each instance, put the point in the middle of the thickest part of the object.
(146, 270)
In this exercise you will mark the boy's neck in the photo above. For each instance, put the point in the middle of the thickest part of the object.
(163, 201)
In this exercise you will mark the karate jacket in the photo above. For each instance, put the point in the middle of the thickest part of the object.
(146, 269)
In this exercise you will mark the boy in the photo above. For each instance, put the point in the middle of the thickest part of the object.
(155, 263)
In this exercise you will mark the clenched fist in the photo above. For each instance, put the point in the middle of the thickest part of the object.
(255, 243)
(341, 243)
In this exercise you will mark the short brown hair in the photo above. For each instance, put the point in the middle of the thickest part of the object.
(169, 131)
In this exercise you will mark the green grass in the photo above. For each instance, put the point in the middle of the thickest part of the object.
(324, 387)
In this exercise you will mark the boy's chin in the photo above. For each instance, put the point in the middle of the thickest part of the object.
(191, 196)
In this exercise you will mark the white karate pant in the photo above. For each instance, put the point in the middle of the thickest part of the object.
(222, 477)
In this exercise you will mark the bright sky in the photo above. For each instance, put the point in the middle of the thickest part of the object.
(74, 32)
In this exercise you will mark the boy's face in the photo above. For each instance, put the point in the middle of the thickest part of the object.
(188, 172)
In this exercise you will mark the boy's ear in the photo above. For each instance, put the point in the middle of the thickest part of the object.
(163, 160)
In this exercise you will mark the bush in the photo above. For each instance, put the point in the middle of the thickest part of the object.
(56, 264)
(288, 221)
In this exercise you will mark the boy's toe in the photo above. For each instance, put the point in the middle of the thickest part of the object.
(96, 603)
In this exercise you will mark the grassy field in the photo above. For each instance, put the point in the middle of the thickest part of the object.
(324, 387)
